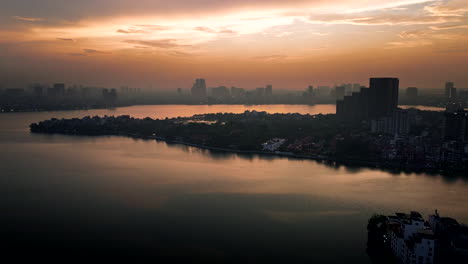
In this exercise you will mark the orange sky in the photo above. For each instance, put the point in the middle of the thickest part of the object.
(289, 44)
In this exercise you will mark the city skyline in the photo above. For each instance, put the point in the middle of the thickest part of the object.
(244, 44)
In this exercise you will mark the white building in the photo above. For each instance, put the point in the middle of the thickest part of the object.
(411, 239)
(273, 144)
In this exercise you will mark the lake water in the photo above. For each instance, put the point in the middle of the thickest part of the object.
(116, 193)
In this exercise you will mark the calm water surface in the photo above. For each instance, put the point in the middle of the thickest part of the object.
(115, 192)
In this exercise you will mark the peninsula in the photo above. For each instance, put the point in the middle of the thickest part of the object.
(320, 137)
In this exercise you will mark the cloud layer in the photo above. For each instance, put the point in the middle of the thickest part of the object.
(244, 32)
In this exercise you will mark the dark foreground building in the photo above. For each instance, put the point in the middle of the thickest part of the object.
(456, 126)
(379, 100)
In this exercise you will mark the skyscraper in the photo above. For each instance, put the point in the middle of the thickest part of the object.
(57, 90)
(199, 89)
(380, 100)
(450, 90)
(383, 96)
(221, 92)
(340, 92)
(269, 90)
(356, 87)
(38, 90)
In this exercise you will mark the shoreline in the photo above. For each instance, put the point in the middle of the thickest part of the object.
(386, 166)
(250, 131)
(417, 106)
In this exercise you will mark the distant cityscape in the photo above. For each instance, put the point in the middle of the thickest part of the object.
(59, 96)
(368, 128)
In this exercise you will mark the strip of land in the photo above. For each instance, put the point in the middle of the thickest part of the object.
(318, 137)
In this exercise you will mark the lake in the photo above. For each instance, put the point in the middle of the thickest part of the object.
(115, 194)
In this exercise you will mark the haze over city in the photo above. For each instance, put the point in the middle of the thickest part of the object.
(165, 45)
(234, 131)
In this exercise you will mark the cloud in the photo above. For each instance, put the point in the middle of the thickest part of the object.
(90, 9)
(320, 33)
(408, 44)
(159, 43)
(205, 29)
(77, 54)
(227, 32)
(284, 34)
(439, 9)
(180, 54)
(412, 34)
(87, 52)
(130, 31)
(254, 18)
(219, 32)
(28, 19)
(384, 19)
(93, 51)
(152, 27)
(394, 5)
(66, 39)
(398, 13)
(271, 57)
(141, 29)
(447, 27)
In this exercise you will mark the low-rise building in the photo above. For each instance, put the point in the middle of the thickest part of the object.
(273, 144)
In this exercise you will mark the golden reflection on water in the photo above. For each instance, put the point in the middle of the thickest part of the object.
(147, 174)
(163, 111)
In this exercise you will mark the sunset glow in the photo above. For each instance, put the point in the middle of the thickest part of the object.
(245, 43)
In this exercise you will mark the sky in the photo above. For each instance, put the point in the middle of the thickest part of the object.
(245, 43)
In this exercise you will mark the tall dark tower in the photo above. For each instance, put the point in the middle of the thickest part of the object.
(383, 96)
(450, 90)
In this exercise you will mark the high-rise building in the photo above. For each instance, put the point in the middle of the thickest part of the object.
(237, 92)
(260, 92)
(199, 89)
(38, 90)
(453, 93)
(322, 91)
(220, 92)
(456, 125)
(356, 87)
(396, 124)
(450, 90)
(348, 88)
(340, 92)
(380, 100)
(412, 93)
(57, 90)
(383, 96)
(269, 90)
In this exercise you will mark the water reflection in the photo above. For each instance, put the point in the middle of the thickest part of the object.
(349, 168)
(190, 202)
